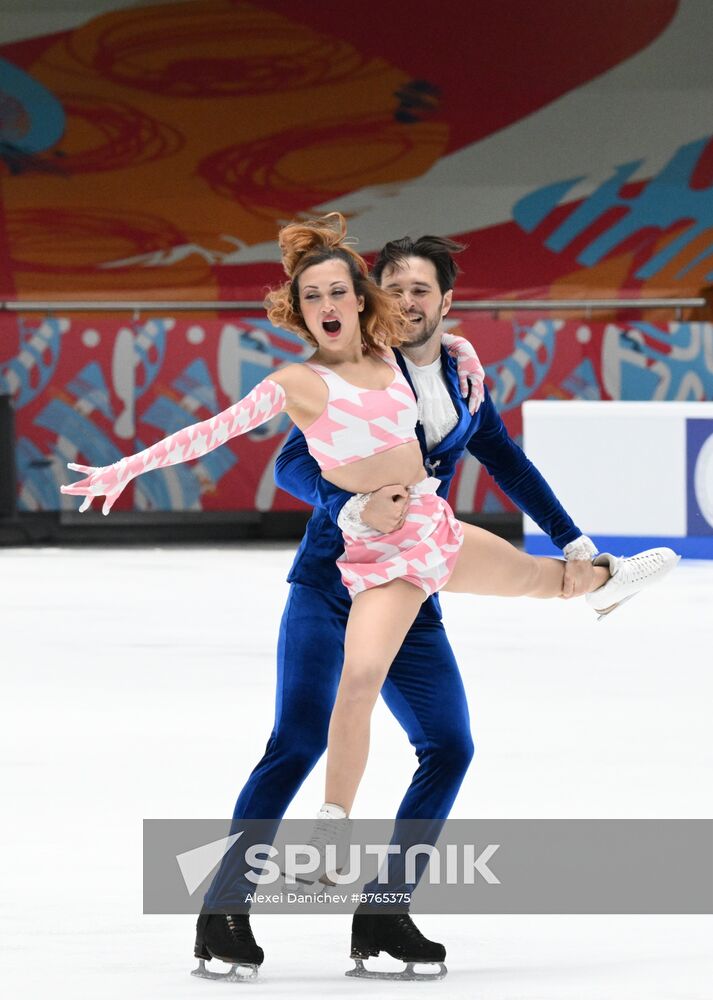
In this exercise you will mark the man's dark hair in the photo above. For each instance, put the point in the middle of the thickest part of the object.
(438, 249)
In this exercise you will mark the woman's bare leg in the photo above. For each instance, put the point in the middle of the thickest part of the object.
(489, 565)
(377, 626)
(378, 623)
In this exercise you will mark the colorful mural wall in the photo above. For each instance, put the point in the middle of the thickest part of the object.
(152, 152)
(94, 389)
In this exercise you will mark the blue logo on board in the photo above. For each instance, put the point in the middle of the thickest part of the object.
(699, 476)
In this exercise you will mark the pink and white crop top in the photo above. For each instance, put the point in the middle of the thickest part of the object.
(358, 423)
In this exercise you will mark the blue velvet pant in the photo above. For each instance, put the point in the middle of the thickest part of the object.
(423, 690)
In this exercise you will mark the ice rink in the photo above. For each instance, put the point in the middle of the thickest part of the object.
(139, 682)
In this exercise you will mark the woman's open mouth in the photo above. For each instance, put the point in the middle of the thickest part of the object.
(332, 327)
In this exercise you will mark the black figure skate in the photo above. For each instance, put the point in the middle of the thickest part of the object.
(227, 937)
(397, 935)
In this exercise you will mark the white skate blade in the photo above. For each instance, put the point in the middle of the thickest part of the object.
(240, 972)
(601, 615)
(408, 974)
(310, 881)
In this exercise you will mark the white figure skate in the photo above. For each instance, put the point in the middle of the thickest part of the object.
(330, 839)
(629, 576)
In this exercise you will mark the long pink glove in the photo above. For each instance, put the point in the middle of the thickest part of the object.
(470, 370)
(261, 404)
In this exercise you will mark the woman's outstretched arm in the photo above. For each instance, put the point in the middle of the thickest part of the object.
(267, 399)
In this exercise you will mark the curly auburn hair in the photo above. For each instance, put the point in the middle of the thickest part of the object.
(314, 241)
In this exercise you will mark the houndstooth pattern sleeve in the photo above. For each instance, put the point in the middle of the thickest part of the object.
(261, 404)
(470, 371)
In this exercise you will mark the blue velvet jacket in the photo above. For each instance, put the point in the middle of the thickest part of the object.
(485, 437)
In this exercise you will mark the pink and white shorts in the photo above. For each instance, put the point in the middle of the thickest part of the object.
(422, 551)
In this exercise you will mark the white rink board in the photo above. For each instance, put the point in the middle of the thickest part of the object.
(618, 468)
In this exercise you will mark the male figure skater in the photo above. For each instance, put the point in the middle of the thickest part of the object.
(423, 688)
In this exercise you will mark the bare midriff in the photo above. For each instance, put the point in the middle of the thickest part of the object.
(402, 465)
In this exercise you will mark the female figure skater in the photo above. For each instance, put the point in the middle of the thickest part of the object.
(358, 415)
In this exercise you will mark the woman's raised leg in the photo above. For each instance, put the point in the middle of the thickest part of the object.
(378, 623)
(489, 565)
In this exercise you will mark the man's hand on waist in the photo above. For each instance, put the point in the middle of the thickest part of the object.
(384, 510)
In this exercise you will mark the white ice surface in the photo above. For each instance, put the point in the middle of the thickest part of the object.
(139, 683)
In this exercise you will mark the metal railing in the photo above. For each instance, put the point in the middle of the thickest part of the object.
(470, 305)
(583, 305)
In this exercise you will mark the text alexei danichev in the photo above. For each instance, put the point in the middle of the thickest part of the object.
(296, 897)
(328, 897)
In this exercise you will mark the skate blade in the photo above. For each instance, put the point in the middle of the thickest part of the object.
(248, 975)
(408, 974)
(601, 615)
(311, 883)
